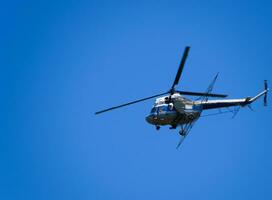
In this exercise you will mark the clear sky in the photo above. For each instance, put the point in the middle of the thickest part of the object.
(63, 60)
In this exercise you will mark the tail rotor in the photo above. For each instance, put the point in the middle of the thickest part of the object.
(265, 95)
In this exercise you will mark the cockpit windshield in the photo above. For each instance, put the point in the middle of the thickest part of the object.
(163, 108)
(153, 110)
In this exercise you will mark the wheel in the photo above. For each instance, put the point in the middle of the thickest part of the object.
(182, 132)
(173, 127)
(158, 128)
(191, 117)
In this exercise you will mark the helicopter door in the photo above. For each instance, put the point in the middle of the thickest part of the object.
(179, 105)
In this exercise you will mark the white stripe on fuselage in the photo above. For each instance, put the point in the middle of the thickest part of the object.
(220, 101)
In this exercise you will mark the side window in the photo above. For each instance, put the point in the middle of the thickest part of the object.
(161, 109)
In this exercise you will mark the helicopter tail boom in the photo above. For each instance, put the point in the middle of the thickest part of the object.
(220, 103)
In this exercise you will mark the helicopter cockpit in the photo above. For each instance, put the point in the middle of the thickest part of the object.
(162, 108)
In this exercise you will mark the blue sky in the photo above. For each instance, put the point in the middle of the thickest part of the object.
(63, 60)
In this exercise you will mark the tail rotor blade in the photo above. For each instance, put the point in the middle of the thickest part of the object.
(265, 95)
(265, 100)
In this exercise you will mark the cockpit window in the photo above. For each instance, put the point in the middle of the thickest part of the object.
(153, 110)
(163, 108)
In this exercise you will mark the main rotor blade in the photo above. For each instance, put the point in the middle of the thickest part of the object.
(202, 94)
(181, 66)
(186, 129)
(132, 102)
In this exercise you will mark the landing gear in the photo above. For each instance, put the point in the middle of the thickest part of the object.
(182, 132)
(157, 127)
(185, 129)
(173, 127)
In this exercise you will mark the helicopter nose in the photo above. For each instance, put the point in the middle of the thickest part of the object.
(150, 119)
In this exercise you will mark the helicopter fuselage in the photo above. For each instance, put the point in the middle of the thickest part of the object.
(165, 113)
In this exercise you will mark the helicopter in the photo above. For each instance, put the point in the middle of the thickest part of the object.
(173, 109)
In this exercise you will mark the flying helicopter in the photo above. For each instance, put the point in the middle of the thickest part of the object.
(173, 109)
